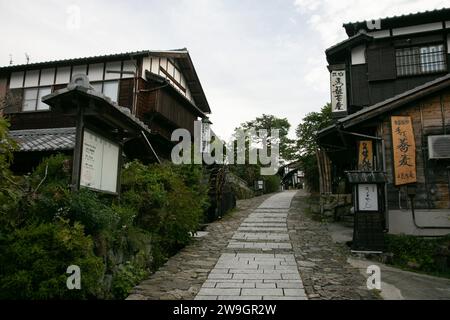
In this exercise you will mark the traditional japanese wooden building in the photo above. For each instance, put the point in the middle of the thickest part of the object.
(160, 88)
(390, 90)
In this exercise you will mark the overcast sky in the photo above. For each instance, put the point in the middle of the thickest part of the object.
(252, 57)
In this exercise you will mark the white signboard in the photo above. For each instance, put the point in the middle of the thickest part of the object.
(99, 163)
(367, 197)
(338, 91)
(206, 137)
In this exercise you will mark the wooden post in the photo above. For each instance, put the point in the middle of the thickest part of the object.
(78, 149)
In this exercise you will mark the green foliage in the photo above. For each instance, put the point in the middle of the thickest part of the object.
(420, 254)
(271, 183)
(307, 143)
(53, 198)
(269, 122)
(10, 189)
(251, 172)
(307, 129)
(45, 227)
(169, 201)
(35, 258)
(126, 277)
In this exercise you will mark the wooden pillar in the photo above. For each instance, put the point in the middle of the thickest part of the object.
(78, 149)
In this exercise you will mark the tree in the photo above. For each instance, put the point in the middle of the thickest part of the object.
(307, 143)
(307, 129)
(251, 172)
(269, 122)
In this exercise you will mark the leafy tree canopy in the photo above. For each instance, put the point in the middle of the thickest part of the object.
(307, 129)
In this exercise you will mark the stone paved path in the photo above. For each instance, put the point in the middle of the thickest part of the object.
(269, 248)
(182, 276)
(258, 262)
(323, 265)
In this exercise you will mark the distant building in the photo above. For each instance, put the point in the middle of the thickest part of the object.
(390, 87)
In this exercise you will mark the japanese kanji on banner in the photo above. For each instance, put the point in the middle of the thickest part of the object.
(365, 159)
(338, 91)
(404, 148)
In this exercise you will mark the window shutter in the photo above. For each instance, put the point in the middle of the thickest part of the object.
(381, 63)
(126, 93)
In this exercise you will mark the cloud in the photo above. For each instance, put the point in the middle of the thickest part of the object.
(252, 56)
(327, 16)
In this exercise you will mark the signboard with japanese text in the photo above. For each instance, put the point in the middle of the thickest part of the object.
(367, 197)
(365, 155)
(404, 149)
(99, 163)
(338, 91)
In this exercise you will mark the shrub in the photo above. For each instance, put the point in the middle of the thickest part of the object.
(45, 230)
(169, 202)
(271, 183)
(418, 253)
(126, 277)
(11, 192)
(35, 258)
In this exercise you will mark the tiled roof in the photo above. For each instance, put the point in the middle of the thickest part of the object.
(129, 55)
(57, 139)
(413, 14)
(390, 103)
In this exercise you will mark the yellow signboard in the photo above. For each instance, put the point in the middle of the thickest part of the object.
(404, 148)
(365, 158)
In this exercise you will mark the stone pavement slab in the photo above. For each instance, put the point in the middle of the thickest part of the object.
(250, 273)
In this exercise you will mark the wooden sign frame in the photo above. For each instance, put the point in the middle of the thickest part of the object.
(404, 150)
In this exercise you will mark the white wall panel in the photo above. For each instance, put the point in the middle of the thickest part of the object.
(170, 68)
(62, 75)
(32, 78)
(16, 80)
(163, 63)
(417, 28)
(113, 66)
(47, 77)
(155, 65)
(129, 66)
(145, 65)
(95, 72)
(380, 34)
(359, 54)
(79, 70)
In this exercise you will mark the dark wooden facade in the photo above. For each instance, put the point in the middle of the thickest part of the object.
(370, 61)
(430, 114)
(156, 99)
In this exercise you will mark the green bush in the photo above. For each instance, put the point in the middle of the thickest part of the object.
(419, 253)
(45, 227)
(35, 258)
(126, 277)
(271, 183)
(169, 201)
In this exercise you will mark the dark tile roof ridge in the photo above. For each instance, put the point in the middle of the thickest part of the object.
(111, 55)
(400, 16)
(42, 131)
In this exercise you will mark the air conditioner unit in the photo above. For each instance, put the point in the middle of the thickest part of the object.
(439, 147)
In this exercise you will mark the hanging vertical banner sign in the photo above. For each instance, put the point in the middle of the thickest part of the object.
(365, 155)
(338, 91)
(404, 149)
